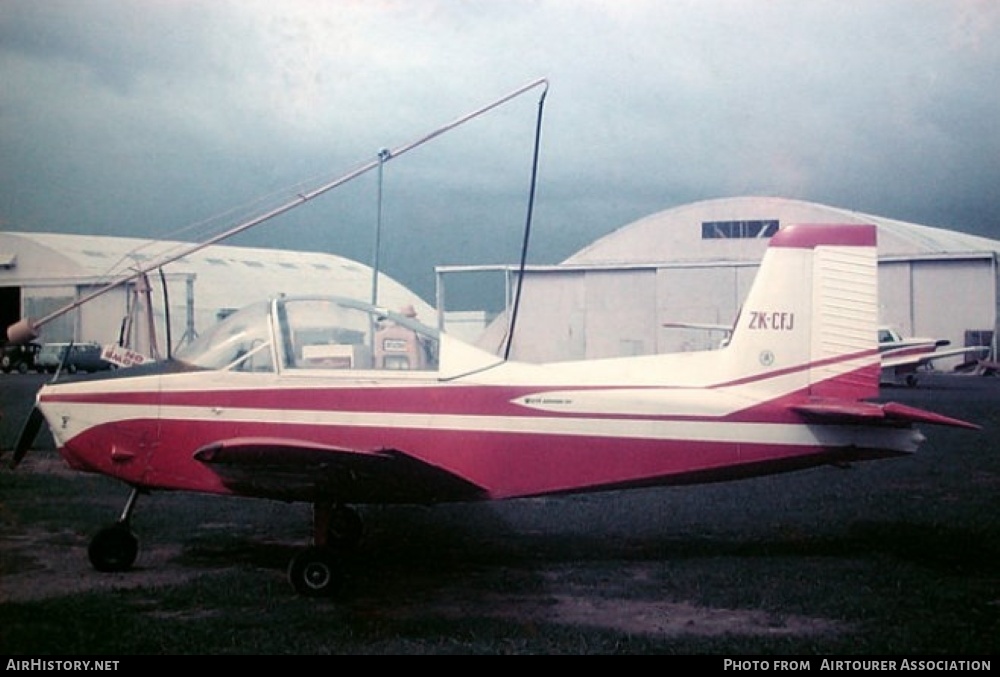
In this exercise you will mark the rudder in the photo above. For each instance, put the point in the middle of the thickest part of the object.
(810, 320)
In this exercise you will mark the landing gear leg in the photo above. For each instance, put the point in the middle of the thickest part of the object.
(318, 570)
(343, 527)
(115, 547)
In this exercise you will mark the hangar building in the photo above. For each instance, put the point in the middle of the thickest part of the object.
(689, 264)
(695, 263)
(43, 272)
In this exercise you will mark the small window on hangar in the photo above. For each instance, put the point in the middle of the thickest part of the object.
(729, 230)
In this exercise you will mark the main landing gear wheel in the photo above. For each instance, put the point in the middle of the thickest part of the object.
(113, 548)
(316, 572)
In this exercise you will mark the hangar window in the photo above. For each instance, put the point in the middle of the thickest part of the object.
(978, 337)
(726, 230)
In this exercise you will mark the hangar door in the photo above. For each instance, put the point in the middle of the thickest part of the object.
(707, 296)
(575, 315)
(550, 321)
(620, 315)
(101, 317)
(953, 299)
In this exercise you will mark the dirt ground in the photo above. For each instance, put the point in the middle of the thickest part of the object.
(54, 564)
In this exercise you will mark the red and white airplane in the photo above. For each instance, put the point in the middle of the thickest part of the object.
(335, 402)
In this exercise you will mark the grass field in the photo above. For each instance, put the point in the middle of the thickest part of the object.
(893, 557)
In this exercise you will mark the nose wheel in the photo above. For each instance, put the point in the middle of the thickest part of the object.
(114, 548)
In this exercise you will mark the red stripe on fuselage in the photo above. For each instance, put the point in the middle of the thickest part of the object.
(462, 401)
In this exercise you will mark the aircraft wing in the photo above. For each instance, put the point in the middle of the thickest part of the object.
(870, 413)
(919, 359)
(703, 326)
(293, 470)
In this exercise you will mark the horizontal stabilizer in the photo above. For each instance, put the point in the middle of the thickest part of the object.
(288, 469)
(901, 412)
(890, 413)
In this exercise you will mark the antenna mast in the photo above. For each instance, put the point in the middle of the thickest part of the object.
(27, 328)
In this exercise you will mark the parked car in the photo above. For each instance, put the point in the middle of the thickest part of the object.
(80, 357)
(19, 358)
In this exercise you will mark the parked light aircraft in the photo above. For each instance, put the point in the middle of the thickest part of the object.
(337, 403)
(902, 358)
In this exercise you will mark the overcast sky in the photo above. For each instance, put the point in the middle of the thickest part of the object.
(149, 118)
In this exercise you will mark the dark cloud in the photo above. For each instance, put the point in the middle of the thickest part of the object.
(142, 118)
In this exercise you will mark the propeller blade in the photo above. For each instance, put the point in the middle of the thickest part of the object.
(27, 437)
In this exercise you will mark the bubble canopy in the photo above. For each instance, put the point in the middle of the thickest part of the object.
(315, 333)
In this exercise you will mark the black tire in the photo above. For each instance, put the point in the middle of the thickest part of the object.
(316, 572)
(113, 549)
(22, 368)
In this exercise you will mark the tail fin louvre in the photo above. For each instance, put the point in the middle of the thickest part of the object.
(845, 321)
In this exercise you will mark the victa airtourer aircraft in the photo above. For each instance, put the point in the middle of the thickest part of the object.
(335, 402)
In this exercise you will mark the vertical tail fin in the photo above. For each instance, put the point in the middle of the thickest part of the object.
(810, 321)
